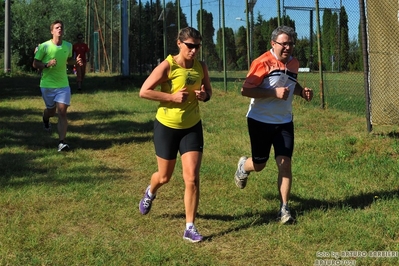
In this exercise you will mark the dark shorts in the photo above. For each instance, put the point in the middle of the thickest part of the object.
(263, 136)
(168, 141)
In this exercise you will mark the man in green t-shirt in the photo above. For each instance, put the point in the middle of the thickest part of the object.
(52, 58)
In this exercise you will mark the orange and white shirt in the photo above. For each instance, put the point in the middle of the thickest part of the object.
(268, 72)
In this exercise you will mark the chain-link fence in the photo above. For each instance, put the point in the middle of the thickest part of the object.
(153, 27)
(345, 55)
(329, 46)
(382, 31)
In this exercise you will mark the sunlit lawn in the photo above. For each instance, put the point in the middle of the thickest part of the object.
(81, 207)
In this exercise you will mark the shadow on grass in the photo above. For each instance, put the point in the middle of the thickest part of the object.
(31, 134)
(251, 219)
(19, 87)
(393, 135)
(27, 169)
(360, 201)
(26, 147)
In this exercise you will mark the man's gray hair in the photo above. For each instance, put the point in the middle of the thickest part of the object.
(284, 29)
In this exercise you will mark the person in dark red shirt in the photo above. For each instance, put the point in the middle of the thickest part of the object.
(82, 49)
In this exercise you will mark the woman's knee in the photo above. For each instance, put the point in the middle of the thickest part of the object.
(191, 180)
(163, 179)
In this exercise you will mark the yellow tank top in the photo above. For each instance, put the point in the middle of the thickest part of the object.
(181, 115)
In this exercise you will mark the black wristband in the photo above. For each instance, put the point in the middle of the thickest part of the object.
(45, 65)
(302, 93)
(208, 97)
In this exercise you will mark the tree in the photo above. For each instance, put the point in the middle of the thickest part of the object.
(344, 41)
(146, 34)
(28, 31)
(263, 31)
(241, 48)
(172, 26)
(301, 51)
(326, 34)
(354, 58)
(231, 50)
(209, 52)
(260, 36)
(2, 18)
(333, 41)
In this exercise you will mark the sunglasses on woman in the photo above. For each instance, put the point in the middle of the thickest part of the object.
(192, 45)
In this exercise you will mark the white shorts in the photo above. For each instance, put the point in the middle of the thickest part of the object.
(53, 96)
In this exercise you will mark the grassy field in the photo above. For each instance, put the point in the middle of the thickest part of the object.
(81, 207)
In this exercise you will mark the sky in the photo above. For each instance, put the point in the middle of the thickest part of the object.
(234, 9)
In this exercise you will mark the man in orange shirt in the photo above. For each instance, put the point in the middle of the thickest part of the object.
(271, 83)
(82, 49)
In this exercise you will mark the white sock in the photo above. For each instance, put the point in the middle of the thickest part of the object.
(150, 194)
(188, 225)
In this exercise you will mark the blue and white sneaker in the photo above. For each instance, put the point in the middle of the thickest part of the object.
(191, 234)
(146, 202)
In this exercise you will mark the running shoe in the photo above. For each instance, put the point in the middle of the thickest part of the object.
(191, 234)
(240, 177)
(284, 216)
(146, 202)
(46, 125)
(63, 147)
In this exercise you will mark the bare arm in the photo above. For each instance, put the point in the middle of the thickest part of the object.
(42, 65)
(52, 62)
(279, 92)
(73, 61)
(158, 76)
(38, 64)
(305, 93)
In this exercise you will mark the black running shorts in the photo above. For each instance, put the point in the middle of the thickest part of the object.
(264, 135)
(168, 141)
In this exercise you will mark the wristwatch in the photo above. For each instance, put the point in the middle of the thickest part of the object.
(45, 65)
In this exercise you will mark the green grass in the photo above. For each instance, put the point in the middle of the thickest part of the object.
(81, 207)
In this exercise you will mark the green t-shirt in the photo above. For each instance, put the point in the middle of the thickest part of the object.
(54, 76)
